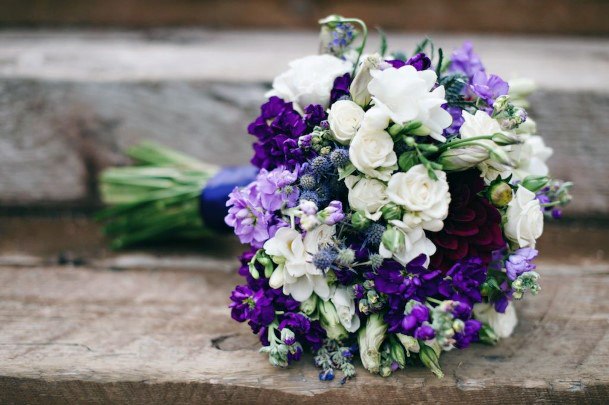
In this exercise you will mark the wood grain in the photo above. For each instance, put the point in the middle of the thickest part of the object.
(73, 335)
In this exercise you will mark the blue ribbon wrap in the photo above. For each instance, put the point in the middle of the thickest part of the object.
(212, 203)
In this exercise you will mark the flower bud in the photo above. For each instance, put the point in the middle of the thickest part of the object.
(391, 211)
(385, 371)
(331, 322)
(500, 194)
(535, 183)
(359, 86)
(308, 306)
(504, 139)
(431, 359)
(501, 103)
(459, 159)
(288, 337)
(370, 339)
(345, 257)
(409, 343)
(398, 353)
(393, 239)
(421, 130)
(359, 221)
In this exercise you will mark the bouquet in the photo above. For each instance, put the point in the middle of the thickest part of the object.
(396, 208)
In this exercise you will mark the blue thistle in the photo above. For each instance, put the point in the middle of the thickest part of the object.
(324, 258)
(374, 234)
(321, 166)
(307, 182)
(310, 195)
(340, 157)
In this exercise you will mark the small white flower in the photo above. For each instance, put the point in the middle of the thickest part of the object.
(345, 118)
(359, 86)
(524, 218)
(371, 150)
(482, 124)
(406, 94)
(425, 200)
(345, 308)
(367, 195)
(295, 272)
(415, 244)
(502, 324)
(530, 157)
(309, 80)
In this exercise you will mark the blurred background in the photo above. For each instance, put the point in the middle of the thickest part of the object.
(80, 81)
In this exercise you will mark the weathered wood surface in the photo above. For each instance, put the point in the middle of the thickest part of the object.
(71, 102)
(156, 329)
(556, 16)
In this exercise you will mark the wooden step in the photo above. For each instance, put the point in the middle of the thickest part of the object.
(79, 324)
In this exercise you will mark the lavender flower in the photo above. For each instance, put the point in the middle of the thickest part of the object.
(251, 223)
(333, 213)
(276, 189)
(520, 262)
(464, 60)
(251, 305)
(488, 88)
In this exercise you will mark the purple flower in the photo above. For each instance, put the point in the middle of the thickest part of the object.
(457, 114)
(276, 189)
(251, 223)
(469, 334)
(412, 281)
(420, 61)
(251, 305)
(424, 332)
(278, 129)
(340, 87)
(333, 213)
(305, 330)
(520, 262)
(465, 61)
(314, 115)
(488, 88)
(464, 280)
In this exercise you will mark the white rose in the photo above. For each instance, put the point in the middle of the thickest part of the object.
(309, 80)
(367, 196)
(502, 324)
(524, 218)
(345, 308)
(530, 157)
(345, 118)
(426, 200)
(371, 150)
(415, 244)
(294, 272)
(483, 124)
(406, 94)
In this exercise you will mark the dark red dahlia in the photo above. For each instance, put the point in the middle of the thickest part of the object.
(473, 225)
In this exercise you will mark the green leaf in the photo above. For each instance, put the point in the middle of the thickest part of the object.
(422, 45)
(346, 171)
(440, 60)
(408, 160)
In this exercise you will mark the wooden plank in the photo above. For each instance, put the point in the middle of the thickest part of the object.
(73, 335)
(559, 16)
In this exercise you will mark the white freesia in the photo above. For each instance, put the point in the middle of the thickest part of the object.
(371, 150)
(524, 218)
(530, 157)
(425, 200)
(367, 195)
(309, 80)
(482, 124)
(345, 307)
(295, 272)
(415, 244)
(406, 94)
(345, 118)
(502, 324)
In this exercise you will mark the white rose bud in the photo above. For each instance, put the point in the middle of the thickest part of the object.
(371, 150)
(524, 219)
(345, 308)
(370, 339)
(309, 80)
(359, 86)
(345, 118)
(459, 159)
(425, 200)
(367, 196)
(502, 324)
